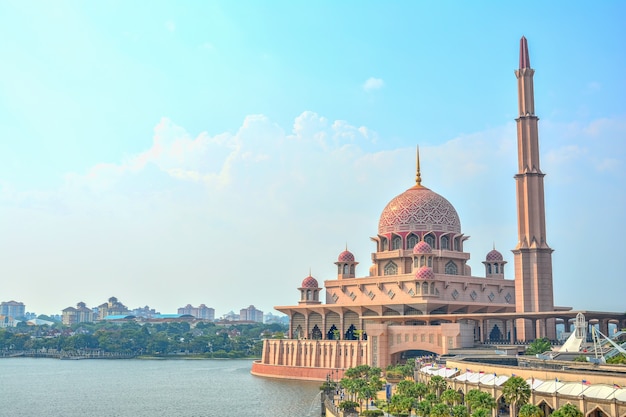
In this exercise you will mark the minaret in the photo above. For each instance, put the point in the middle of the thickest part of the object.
(532, 255)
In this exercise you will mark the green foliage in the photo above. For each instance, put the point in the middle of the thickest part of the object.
(580, 358)
(478, 399)
(538, 346)
(348, 405)
(373, 413)
(567, 410)
(617, 359)
(516, 391)
(177, 338)
(530, 410)
(459, 411)
(481, 412)
(437, 385)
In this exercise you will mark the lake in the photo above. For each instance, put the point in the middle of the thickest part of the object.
(149, 388)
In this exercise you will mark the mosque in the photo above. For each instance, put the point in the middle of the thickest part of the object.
(420, 293)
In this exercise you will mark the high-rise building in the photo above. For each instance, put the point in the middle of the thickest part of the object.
(12, 309)
(251, 314)
(201, 312)
(80, 314)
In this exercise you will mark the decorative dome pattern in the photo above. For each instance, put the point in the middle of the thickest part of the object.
(345, 256)
(424, 273)
(494, 255)
(419, 209)
(309, 282)
(422, 248)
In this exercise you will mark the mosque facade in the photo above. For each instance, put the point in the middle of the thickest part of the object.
(420, 293)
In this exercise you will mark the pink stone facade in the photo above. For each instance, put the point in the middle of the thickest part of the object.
(419, 293)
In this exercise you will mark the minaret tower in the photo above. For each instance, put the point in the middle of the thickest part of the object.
(532, 255)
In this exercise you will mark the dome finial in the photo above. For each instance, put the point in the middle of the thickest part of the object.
(418, 175)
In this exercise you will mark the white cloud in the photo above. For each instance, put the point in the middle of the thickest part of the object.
(223, 210)
(373, 83)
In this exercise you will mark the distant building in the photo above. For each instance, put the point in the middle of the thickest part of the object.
(251, 314)
(270, 318)
(80, 314)
(12, 309)
(145, 312)
(112, 308)
(201, 312)
(230, 316)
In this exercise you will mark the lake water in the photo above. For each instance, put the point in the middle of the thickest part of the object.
(148, 388)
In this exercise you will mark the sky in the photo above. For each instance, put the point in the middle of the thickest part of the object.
(172, 153)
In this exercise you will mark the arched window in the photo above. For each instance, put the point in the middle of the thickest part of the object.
(339, 269)
(489, 268)
(432, 288)
(457, 244)
(497, 269)
(445, 242)
(308, 295)
(412, 241)
(345, 268)
(383, 244)
(430, 239)
(391, 268)
(396, 243)
(430, 262)
(352, 269)
(425, 288)
(451, 268)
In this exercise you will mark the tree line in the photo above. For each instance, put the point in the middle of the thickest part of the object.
(205, 339)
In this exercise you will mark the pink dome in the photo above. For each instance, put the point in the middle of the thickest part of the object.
(419, 209)
(346, 256)
(424, 273)
(494, 255)
(422, 247)
(309, 282)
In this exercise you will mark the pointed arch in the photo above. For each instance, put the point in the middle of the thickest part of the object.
(391, 268)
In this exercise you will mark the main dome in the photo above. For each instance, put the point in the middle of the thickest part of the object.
(419, 209)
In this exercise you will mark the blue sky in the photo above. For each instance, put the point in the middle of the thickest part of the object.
(169, 153)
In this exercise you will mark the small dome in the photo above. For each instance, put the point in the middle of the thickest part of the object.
(422, 247)
(424, 273)
(309, 282)
(346, 256)
(494, 255)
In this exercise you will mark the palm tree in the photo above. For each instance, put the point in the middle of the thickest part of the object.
(450, 397)
(440, 410)
(459, 411)
(568, 410)
(478, 399)
(530, 410)
(437, 384)
(481, 412)
(424, 408)
(515, 391)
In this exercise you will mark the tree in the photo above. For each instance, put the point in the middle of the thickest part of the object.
(450, 397)
(478, 399)
(530, 410)
(516, 392)
(424, 408)
(538, 346)
(567, 410)
(437, 385)
(459, 411)
(481, 412)
(440, 410)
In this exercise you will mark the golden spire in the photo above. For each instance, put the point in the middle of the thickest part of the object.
(418, 175)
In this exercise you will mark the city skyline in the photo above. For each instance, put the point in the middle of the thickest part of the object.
(176, 162)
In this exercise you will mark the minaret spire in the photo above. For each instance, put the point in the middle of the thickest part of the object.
(532, 255)
(418, 175)
(524, 58)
